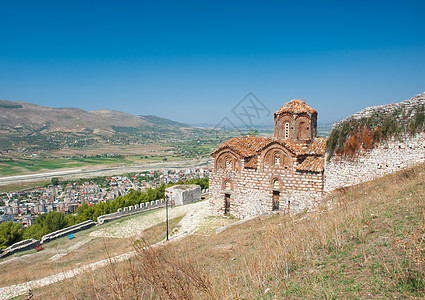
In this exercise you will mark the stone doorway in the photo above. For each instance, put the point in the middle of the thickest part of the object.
(226, 204)
(276, 195)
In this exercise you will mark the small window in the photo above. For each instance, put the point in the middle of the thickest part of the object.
(286, 130)
(277, 159)
(229, 164)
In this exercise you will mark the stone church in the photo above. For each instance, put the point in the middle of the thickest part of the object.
(253, 175)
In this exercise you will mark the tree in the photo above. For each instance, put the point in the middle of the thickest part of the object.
(52, 221)
(55, 181)
(10, 233)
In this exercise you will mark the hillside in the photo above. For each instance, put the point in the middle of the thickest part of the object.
(162, 121)
(37, 127)
(362, 242)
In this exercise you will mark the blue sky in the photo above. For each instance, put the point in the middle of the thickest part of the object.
(192, 61)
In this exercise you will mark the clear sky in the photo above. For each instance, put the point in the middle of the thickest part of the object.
(193, 61)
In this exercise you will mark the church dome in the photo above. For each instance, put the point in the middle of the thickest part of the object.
(296, 107)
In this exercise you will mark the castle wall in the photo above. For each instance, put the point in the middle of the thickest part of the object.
(388, 157)
(251, 190)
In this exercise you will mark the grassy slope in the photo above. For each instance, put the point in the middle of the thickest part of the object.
(364, 242)
(82, 250)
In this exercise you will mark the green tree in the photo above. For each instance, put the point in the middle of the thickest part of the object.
(47, 223)
(55, 181)
(52, 221)
(10, 233)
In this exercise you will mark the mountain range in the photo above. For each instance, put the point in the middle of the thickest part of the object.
(28, 125)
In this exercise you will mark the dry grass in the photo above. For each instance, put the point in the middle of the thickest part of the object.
(31, 265)
(364, 242)
(22, 186)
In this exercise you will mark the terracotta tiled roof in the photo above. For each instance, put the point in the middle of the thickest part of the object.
(296, 149)
(312, 164)
(296, 107)
(245, 146)
(318, 147)
(249, 145)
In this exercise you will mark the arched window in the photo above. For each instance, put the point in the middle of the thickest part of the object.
(229, 164)
(302, 129)
(276, 159)
(286, 130)
(276, 184)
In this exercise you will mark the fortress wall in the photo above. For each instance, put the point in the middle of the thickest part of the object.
(389, 157)
(72, 229)
(20, 246)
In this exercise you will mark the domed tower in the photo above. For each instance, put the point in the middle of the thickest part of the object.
(296, 121)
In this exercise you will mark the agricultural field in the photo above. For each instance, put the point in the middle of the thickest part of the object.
(107, 155)
(27, 165)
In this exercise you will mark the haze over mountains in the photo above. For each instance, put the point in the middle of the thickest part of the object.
(24, 124)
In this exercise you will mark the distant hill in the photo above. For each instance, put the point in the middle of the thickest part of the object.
(162, 121)
(28, 125)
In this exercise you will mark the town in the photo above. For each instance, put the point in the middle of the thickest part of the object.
(24, 206)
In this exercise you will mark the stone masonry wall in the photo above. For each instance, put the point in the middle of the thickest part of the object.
(389, 157)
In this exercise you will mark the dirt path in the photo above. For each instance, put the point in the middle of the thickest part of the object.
(136, 224)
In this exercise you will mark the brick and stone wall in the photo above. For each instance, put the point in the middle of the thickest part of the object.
(389, 157)
(251, 190)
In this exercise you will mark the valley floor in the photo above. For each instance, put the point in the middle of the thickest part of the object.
(111, 170)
